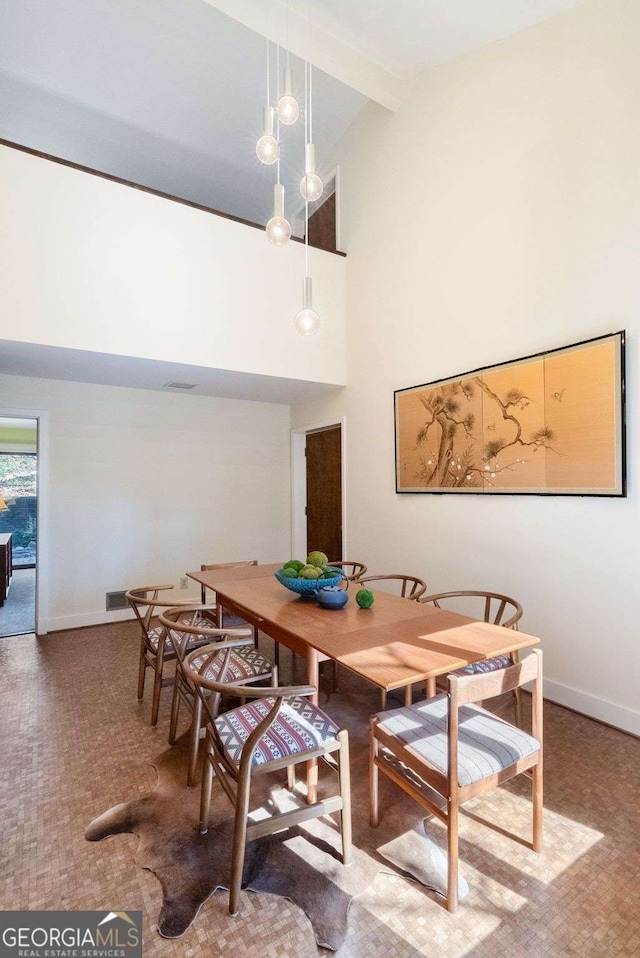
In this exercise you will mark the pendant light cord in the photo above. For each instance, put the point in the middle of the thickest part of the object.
(278, 86)
(306, 140)
(268, 59)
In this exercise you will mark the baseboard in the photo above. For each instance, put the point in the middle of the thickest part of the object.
(618, 716)
(82, 620)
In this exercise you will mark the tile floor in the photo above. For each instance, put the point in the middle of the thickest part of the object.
(75, 741)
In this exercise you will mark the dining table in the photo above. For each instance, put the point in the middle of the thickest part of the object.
(395, 644)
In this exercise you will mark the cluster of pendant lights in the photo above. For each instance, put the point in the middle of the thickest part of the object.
(287, 112)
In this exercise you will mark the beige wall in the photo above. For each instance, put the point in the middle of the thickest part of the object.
(89, 264)
(497, 214)
(140, 487)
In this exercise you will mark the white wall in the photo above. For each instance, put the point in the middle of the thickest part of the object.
(497, 214)
(143, 486)
(90, 264)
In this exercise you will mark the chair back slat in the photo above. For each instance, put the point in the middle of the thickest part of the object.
(487, 685)
(506, 605)
(411, 586)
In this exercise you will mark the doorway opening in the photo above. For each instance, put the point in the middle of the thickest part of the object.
(18, 524)
(318, 484)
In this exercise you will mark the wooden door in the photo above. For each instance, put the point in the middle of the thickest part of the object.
(324, 491)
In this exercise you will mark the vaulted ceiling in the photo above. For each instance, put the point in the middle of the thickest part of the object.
(169, 94)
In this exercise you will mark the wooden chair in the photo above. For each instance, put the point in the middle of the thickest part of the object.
(155, 645)
(222, 565)
(410, 586)
(352, 570)
(493, 607)
(242, 665)
(459, 750)
(279, 729)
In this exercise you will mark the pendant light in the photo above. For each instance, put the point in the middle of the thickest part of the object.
(278, 228)
(306, 320)
(267, 147)
(288, 109)
(311, 186)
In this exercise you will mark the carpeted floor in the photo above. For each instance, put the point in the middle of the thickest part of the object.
(18, 614)
(76, 741)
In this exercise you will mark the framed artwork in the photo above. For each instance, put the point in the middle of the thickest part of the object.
(550, 424)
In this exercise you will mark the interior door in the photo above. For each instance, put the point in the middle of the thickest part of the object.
(324, 491)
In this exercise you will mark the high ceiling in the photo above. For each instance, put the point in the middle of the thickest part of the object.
(169, 94)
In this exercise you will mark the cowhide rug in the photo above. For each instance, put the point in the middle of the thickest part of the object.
(301, 864)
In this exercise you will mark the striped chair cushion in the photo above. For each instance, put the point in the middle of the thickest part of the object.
(194, 640)
(245, 664)
(485, 665)
(299, 726)
(486, 744)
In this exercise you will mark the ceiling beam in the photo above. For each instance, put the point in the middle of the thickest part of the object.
(325, 51)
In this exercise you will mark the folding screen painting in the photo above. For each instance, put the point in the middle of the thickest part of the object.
(548, 424)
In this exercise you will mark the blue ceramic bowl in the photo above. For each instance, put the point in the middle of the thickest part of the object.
(307, 587)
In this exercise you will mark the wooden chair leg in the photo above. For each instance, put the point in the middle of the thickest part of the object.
(239, 838)
(383, 698)
(373, 776)
(537, 798)
(344, 773)
(452, 855)
(205, 793)
(291, 777)
(175, 709)
(157, 682)
(408, 695)
(142, 671)
(518, 707)
(194, 740)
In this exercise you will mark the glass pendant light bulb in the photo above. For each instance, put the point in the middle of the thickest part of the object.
(306, 320)
(278, 228)
(288, 109)
(267, 148)
(311, 186)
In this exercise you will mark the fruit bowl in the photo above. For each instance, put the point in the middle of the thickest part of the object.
(307, 587)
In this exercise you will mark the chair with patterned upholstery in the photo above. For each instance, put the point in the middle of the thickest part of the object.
(458, 750)
(487, 607)
(222, 565)
(278, 729)
(155, 645)
(240, 666)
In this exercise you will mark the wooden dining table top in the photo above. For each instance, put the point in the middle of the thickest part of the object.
(395, 643)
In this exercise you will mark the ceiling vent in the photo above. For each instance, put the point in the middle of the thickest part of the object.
(181, 385)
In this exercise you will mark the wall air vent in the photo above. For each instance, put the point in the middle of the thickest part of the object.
(181, 385)
(116, 600)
